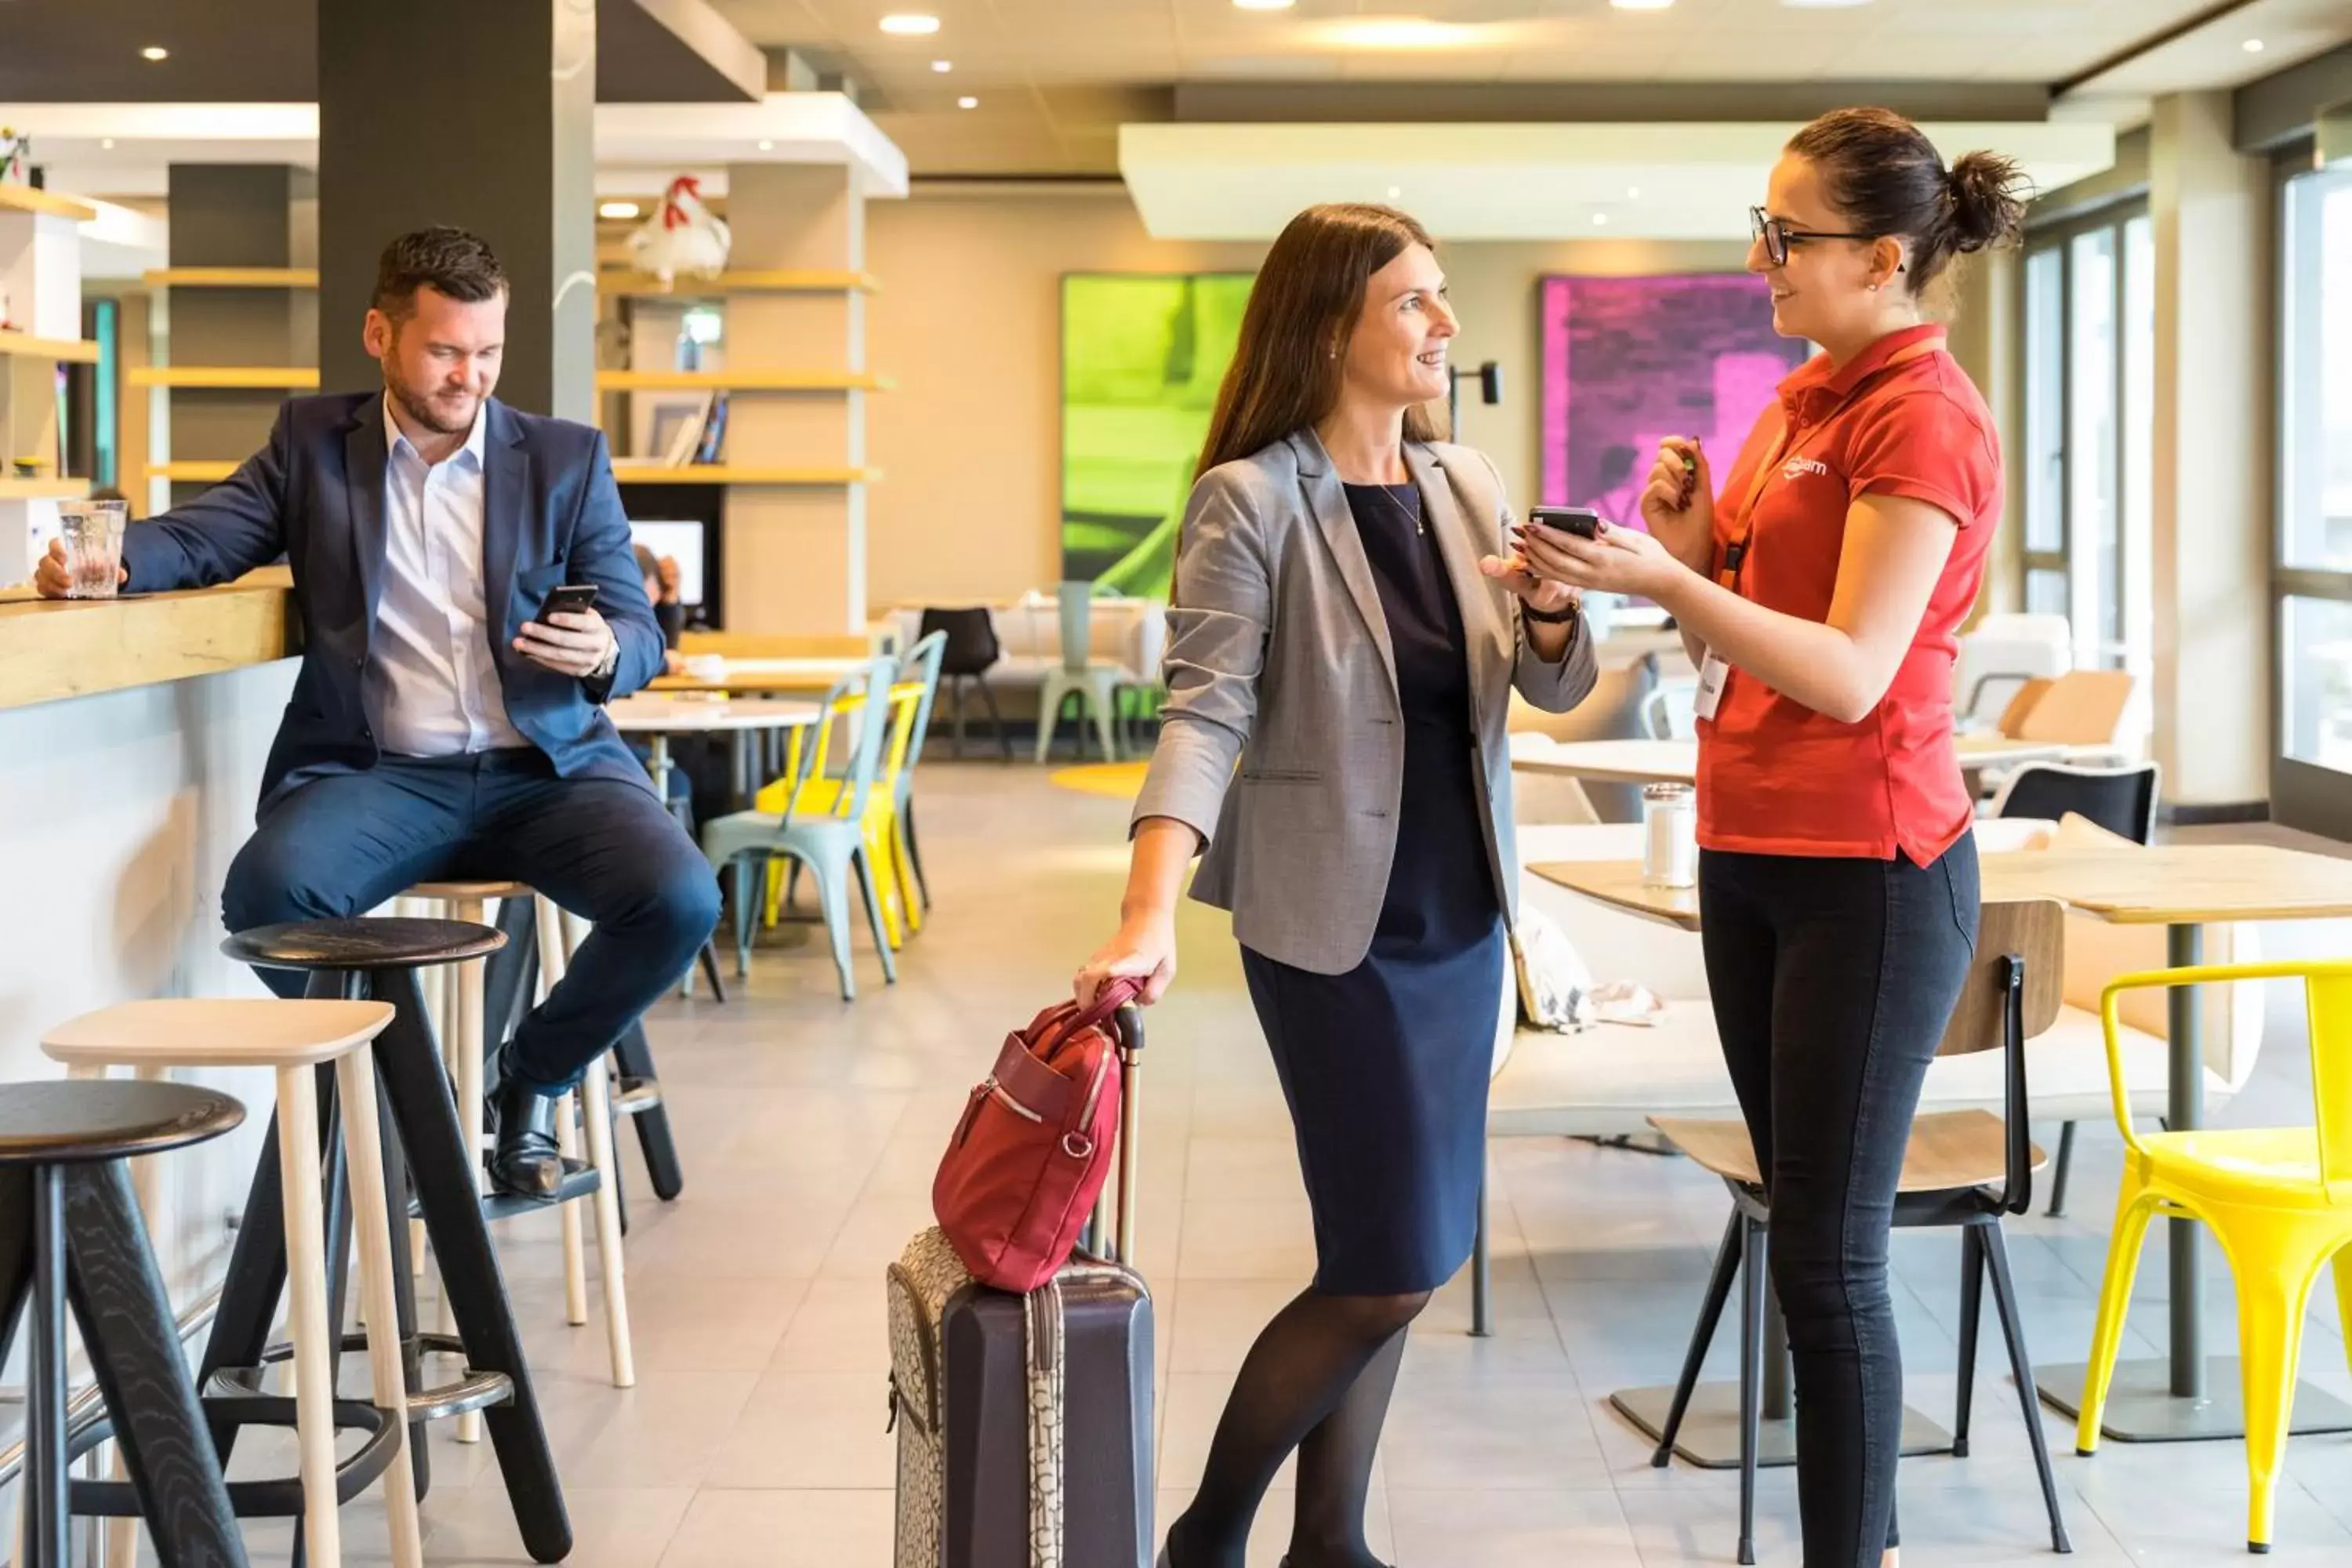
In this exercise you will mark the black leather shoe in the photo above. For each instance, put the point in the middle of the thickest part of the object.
(525, 1162)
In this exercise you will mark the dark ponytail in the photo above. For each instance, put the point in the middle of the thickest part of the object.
(1885, 174)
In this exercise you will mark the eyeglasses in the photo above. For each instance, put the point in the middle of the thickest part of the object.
(1778, 236)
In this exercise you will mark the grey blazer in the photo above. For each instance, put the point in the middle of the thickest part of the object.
(1279, 661)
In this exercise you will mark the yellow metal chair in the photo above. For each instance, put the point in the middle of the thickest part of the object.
(902, 912)
(2280, 1199)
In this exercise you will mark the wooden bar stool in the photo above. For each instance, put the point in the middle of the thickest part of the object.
(381, 959)
(67, 1213)
(466, 1045)
(295, 1039)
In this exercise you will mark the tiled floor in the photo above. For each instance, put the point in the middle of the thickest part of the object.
(755, 1434)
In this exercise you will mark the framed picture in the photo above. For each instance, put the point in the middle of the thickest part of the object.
(1626, 362)
(1142, 356)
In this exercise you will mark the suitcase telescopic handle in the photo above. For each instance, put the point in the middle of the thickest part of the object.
(1120, 1245)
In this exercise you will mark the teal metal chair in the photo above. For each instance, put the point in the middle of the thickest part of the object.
(923, 663)
(830, 845)
(1095, 681)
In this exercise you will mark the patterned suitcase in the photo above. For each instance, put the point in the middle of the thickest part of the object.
(1025, 1423)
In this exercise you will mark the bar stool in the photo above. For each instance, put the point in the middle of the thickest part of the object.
(378, 959)
(303, 1042)
(464, 1046)
(66, 1208)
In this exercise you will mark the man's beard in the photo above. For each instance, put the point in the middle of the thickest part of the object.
(421, 409)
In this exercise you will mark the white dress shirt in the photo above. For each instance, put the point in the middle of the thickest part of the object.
(433, 689)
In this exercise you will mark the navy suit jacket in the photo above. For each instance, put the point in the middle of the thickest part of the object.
(315, 495)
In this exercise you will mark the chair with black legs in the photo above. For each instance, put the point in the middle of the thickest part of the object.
(972, 651)
(1963, 1169)
(2121, 800)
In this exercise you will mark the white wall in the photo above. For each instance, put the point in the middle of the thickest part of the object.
(119, 815)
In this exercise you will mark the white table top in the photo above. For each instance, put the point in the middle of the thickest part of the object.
(1676, 762)
(671, 716)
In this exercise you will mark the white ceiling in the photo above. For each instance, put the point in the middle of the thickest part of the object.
(1055, 78)
(1515, 182)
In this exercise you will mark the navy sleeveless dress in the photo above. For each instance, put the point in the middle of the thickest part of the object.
(1385, 1068)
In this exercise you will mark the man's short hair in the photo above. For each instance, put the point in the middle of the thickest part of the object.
(447, 260)
(647, 565)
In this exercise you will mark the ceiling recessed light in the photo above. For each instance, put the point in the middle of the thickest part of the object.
(1632, 193)
(943, 67)
(1263, 4)
(1395, 192)
(1600, 220)
(154, 52)
(2252, 46)
(616, 209)
(910, 24)
(766, 145)
(1641, 4)
(967, 102)
(107, 145)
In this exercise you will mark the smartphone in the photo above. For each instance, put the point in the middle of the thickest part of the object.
(571, 597)
(1580, 520)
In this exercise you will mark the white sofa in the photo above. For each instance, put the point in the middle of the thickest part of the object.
(1611, 1078)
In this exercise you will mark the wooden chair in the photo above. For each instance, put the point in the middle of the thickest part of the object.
(2021, 703)
(1963, 1168)
(2080, 707)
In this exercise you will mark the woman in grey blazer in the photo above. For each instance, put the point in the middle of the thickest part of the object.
(1347, 628)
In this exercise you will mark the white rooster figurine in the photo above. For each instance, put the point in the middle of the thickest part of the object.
(684, 235)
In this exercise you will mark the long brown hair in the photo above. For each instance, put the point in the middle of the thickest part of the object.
(1302, 310)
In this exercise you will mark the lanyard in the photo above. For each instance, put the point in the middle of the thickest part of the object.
(1736, 552)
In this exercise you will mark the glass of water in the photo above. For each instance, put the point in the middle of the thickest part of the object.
(93, 531)
(1669, 836)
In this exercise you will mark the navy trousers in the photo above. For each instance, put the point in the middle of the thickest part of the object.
(605, 850)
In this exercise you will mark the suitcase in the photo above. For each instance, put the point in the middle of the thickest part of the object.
(1025, 1423)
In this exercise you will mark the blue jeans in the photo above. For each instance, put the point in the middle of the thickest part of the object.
(1832, 981)
(603, 849)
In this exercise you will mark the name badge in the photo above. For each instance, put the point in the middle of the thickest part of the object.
(1711, 677)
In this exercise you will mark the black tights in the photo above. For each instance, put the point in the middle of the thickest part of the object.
(1317, 1380)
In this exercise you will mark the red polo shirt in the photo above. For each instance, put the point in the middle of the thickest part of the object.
(1774, 776)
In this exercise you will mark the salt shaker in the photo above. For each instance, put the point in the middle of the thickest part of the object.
(1669, 836)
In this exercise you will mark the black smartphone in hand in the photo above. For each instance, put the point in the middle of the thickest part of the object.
(567, 597)
(1580, 520)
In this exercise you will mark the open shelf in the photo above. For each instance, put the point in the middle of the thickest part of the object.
(192, 471)
(809, 280)
(232, 278)
(290, 377)
(14, 197)
(12, 489)
(72, 351)
(741, 381)
(744, 474)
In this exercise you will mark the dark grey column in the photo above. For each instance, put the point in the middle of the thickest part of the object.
(483, 116)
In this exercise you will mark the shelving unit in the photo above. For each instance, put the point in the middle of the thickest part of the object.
(232, 278)
(65, 351)
(745, 474)
(192, 472)
(12, 489)
(47, 203)
(224, 377)
(741, 381)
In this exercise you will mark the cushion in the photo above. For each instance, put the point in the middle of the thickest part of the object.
(1555, 987)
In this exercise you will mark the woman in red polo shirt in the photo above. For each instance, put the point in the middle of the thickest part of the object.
(1821, 593)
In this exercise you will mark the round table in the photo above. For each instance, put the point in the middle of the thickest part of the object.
(662, 717)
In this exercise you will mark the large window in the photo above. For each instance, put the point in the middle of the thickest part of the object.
(2313, 782)
(2090, 337)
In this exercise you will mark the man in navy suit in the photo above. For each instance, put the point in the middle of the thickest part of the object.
(440, 727)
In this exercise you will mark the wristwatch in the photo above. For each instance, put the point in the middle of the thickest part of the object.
(612, 659)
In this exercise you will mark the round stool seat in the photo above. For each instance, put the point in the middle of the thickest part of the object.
(366, 942)
(240, 1032)
(449, 893)
(88, 1119)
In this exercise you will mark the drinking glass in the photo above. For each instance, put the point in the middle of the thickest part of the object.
(93, 531)
(1669, 836)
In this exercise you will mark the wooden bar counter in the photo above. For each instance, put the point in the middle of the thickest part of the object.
(51, 650)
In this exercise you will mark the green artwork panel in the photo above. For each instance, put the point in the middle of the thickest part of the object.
(1142, 354)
